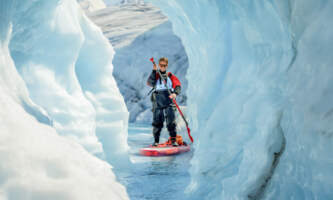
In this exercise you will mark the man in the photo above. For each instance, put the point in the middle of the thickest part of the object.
(163, 107)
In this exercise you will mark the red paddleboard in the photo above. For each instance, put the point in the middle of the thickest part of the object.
(164, 150)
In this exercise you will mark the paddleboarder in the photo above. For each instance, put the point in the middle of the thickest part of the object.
(163, 105)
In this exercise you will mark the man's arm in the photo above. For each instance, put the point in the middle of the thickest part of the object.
(177, 90)
(152, 79)
(177, 87)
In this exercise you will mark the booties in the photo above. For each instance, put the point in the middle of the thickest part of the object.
(173, 142)
(155, 144)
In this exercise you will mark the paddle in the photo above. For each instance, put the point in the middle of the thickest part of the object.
(174, 101)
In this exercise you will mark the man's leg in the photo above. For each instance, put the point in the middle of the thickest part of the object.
(171, 122)
(158, 119)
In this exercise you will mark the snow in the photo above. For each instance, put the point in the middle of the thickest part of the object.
(122, 24)
(92, 5)
(261, 118)
(48, 120)
(123, 2)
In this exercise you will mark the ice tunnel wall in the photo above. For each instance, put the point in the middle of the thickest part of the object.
(260, 97)
(41, 43)
(66, 63)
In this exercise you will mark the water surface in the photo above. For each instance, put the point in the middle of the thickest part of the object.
(153, 177)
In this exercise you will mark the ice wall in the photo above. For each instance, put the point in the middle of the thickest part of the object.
(35, 162)
(259, 97)
(94, 71)
(55, 52)
(45, 52)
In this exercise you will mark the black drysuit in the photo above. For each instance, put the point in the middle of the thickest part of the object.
(163, 107)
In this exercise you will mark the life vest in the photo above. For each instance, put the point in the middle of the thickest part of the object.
(161, 86)
(172, 82)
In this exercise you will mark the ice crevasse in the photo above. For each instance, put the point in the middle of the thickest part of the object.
(260, 93)
(259, 100)
(56, 79)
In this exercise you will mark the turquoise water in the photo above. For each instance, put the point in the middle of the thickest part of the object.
(153, 177)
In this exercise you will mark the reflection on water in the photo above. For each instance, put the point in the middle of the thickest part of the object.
(153, 177)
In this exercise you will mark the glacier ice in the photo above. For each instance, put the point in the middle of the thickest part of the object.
(94, 71)
(48, 55)
(122, 24)
(123, 2)
(91, 5)
(38, 164)
(41, 44)
(35, 47)
(259, 97)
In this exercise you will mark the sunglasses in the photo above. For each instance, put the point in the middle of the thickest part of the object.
(163, 65)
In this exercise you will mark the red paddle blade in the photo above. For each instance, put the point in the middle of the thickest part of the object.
(152, 59)
(189, 134)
